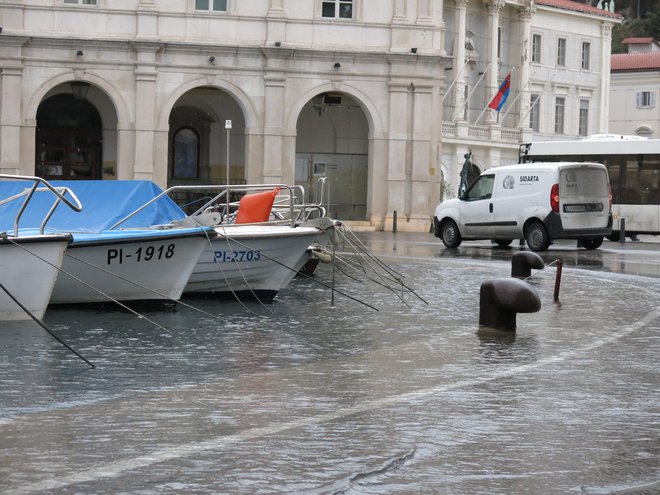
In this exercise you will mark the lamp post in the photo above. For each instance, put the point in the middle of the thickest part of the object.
(227, 128)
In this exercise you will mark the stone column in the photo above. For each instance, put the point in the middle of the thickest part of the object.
(400, 11)
(424, 14)
(16, 153)
(397, 151)
(11, 76)
(605, 68)
(273, 112)
(145, 117)
(276, 22)
(525, 13)
(419, 219)
(147, 20)
(494, 7)
(460, 70)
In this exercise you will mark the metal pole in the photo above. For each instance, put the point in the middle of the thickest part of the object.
(228, 128)
(332, 298)
(560, 264)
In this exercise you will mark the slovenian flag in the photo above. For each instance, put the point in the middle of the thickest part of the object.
(502, 94)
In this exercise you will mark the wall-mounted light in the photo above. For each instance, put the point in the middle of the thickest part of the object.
(278, 43)
(211, 59)
(79, 53)
(79, 90)
(413, 50)
(337, 65)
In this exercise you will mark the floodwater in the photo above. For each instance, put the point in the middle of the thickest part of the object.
(302, 397)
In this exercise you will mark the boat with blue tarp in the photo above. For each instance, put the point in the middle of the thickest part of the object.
(138, 262)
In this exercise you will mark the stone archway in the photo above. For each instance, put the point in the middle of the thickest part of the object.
(197, 123)
(69, 138)
(333, 144)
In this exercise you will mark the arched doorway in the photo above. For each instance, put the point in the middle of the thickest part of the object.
(333, 143)
(68, 138)
(199, 151)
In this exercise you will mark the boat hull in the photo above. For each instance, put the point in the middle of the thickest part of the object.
(153, 267)
(29, 266)
(251, 260)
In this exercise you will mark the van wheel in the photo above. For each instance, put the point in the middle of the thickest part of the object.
(593, 243)
(537, 237)
(451, 237)
(503, 242)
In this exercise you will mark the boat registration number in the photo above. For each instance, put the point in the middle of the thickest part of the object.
(247, 255)
(141, 254)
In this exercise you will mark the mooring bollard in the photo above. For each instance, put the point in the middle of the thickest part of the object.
(501, 299)
(394, 222)
(560, 264)
(522, 263)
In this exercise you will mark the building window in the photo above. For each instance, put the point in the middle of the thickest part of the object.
(186, 153)
(561, 52)
(586, 55)
(535, 112)
(583, 123)
(341, 9)
(560, 105)
(536, 48)
(212, 5)
(81, 2)
(499, 42)
(646, 99)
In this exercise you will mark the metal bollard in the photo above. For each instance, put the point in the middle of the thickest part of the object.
(560, 265)
(394, 222)
(622, 231)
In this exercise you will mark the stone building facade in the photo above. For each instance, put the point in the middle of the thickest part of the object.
(384, 98)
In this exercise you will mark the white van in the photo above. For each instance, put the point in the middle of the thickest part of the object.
(537, 202)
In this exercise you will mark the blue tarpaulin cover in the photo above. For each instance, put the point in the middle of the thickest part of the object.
(104, 203)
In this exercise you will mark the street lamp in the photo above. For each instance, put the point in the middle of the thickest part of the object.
(227, 128)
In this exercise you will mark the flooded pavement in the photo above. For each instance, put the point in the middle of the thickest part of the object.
(307, 398)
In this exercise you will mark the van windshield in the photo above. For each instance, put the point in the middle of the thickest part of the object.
(482, 188)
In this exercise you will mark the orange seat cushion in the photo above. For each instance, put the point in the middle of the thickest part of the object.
(256, 207)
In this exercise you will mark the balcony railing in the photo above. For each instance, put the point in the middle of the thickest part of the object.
(463, 130)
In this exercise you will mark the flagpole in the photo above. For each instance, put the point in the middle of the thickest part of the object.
(515, 100)
(465, 102)
(460, 72)
(484, 110)
(531, 107)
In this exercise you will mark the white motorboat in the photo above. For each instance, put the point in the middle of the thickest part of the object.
(29, 261)
(129, 264)
(29, 266)
(251, 260)
(258, 250)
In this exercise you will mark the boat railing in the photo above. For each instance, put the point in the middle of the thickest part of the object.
(219, 197)
(28, 193)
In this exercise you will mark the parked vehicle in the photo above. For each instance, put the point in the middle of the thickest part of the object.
(537, 202)
(633, 165)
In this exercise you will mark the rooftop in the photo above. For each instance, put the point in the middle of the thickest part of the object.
(640, 61)
(638, 41)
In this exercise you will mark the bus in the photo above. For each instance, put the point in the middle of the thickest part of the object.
(633, 164)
